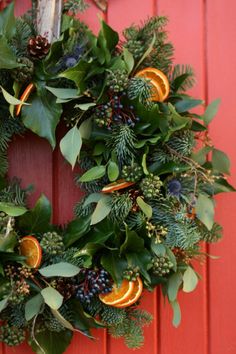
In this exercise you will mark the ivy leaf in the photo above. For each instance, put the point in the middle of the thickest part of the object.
(12, 209)
(76, 229)
(190, 280)
(205, 211)
(38, 218)
(7, 58)
(114, 265)
(102, 209)
(176, 313)
(174, 282)
(94, 173)
(186, 104)
(70, 145)
(42, 116)
(77, 74)
(90, 249)
(129, 60)
(62, 269)
(146, 208)
(52, 297)
(211, 111)
(51, 342)
(112, 171)
(82, 320)
(220, 161)
(133, 242)
(33, 306)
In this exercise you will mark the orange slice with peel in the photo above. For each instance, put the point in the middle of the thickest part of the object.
(118, 294)
(134, 296)
(115, 186)
(24, 97)
(159, 82)
(31, 249)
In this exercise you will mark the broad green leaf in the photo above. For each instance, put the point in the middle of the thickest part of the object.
(186, 104)
(82, 320)
(38, 218)
(190, 280)
(49, 342)
(169, 167)
(93, 198)
(220, 161)
(85, 106)
(115, 265)
(7, 21)
(42, 116)
(158, 248)
(221, 185)
(112, 171)
(211, 111)
(176, 313)
(111, 37)
(3, 304)
(94, 173)
(62, 320)
(11, 209)
(70, 145)
(52, 297)
(129, 60)
(77, 74)
(146, 208)
(85, 129)
(76, 229)
(11, 99)
(62, 269)
(205, 211)
(133, 242)
(102, 209)
(63, 93)
(33, 306)
(99, 149)
(201, 155)
(7, 57)
(174, 282)
(90, 249)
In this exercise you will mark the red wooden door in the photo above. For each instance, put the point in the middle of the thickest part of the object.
(203, 32)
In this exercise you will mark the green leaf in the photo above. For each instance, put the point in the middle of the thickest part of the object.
(221, 185)
(42, 116)
(38, 218)
(12, 209)
(201, 155)
(11, 99)
(146, 208)
(141, 260)
(82, 320)
(70, 145)
(52, 297)
(176, 313)
(102, 209)
(148, 51)
(49, 342)
(129, 60)
(77, 74)
(76, 229)
(186, 104)
(62, 320)
(169, 167)
(7, 58)
(111, 37)
(7, 21)
(90, 249)
(220, 161)
(205, 211)
(114, 265)
(62, 269)
(85, 129)
(85, 106)
(112, 171)
(174, 282)
(211, 111)
(190, 280)
(3, 304)
(144, 164)
(94, 173)
(63, 93)
(33, 306)
(9, 242)
(133, 242)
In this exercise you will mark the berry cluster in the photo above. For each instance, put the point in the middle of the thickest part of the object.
(117, 80)
(161, 266)
(131, 273)
(52, 243)
(151, 186)
(94, 282)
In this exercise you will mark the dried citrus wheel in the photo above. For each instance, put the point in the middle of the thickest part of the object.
(118, 294)
(24, 97)
(134, 296)
(115, 186)
(158, 80)
(31, 249)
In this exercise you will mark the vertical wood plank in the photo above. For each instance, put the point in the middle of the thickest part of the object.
(186, 30)
(221, 31)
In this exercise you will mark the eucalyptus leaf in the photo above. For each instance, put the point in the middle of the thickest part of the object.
(112, 171)
(205, 210)
(211, 111)
(52, 297)
(33, 306)
(70, 145)
(102, 209)
(190, 280)
(12, 209)
(85, 106)
(176, 313)
(146, 208)
(186, 104)
(85, 129)
(11, 99)
(63, 93)
(174, 282)
(62, 269)
(220, 161)
(129, 60)
(94, 173)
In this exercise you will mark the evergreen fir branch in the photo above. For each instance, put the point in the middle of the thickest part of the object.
(183, 235)
(3, 163)
(112, 315)
(182, 142)
(186, 74)
(20, 40)
(136, 220)
(13, 193)
(213, 235)
(81, 210)
(75, 6)
(121, 205)
(139, 88)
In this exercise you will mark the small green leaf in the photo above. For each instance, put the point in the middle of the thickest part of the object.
(62, 320)
(205, 210)
(7, 21)
(112, 171)
(52, 297)
(33, 306)
(11, 209)
(85, 106)
(62, 269)
(220, 161)
(85, 129)
(11, 99)
(94, 173)
(63, 93)
(201, 155)
(70, 145)
(174, 283)
(3, 304)
(146, 208)
(129, 60)
(76, 229)
(211, 111)
(102, 209)
(190, 280)
(144, 164)
(176, 313)
(187, 104)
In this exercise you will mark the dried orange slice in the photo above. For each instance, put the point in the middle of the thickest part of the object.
(24, 97)
(31, 249)
(134, 296)
(118, 294)
(115, 186)
(158, 80)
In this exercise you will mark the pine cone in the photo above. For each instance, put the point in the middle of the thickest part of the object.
(38, 47)
(24, 73)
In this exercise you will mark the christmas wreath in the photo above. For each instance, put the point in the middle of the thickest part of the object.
(149, 172)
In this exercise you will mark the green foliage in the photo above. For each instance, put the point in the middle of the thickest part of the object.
(139, 88)
(75, 6)
(121, 205)
(182, 78)
(20, 39)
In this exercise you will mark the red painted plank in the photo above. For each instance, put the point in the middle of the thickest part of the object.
(221, 30)
(186, 30)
